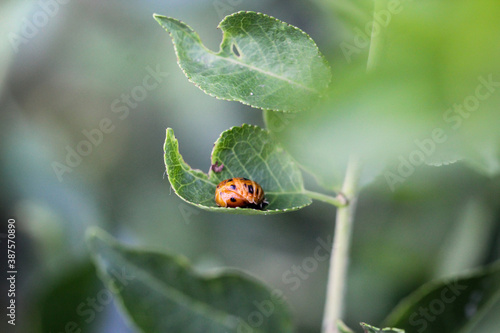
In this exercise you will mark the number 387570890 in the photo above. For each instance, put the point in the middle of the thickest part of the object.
(11, 243)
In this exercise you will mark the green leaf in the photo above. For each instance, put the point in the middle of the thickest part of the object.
(162, 293)
(262, 62)
(465, 73)
(246, 151)
(454, 305)
(374, 116)
(371, 329)
(432, 99)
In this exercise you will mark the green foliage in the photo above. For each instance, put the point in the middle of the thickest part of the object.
(407, 102)
(371, 329)
(245, 151)
(451, 305)
(162, 293)
(375, 116)
(456, 46)
(262, 62)
(429, 100)
(414, 98)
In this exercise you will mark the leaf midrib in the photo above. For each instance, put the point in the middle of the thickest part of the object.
(265, 72)
(169, 292)
(286, 193)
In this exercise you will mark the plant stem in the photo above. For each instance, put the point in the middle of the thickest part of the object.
(339, 258)
(340, 200)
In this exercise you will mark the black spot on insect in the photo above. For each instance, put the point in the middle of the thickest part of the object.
(250, 189)
(232, 199)
(245, 185)
(233, 187)
(229, 180)
(257, 191)
(246, 179)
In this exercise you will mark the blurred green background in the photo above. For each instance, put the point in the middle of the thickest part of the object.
(74, 71)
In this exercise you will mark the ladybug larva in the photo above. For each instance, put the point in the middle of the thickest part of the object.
(239, 192)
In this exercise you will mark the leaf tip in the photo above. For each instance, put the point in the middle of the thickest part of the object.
(169, 138)
(158, 17)
(163, 20)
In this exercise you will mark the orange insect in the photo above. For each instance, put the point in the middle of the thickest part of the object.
(240, 192)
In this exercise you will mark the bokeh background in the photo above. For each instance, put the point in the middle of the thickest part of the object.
(65, 78)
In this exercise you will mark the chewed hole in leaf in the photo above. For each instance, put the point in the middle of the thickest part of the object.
(236, 51)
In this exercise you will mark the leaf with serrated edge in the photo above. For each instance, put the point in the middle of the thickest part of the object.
(263, 62)
(246, 151)
(371, 329)
(462, 301)
(162, 293)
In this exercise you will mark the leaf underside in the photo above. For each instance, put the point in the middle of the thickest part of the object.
(453, 305)
(162, 293)
(262, 62)
(246, 151)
